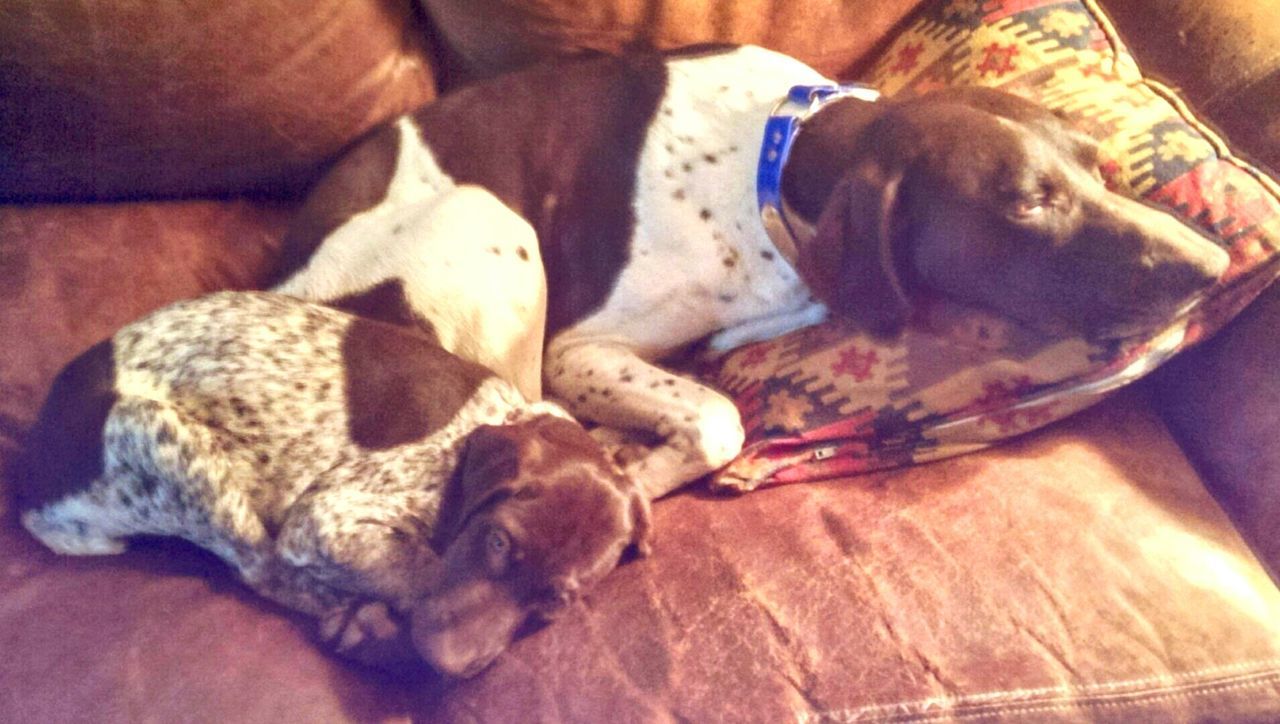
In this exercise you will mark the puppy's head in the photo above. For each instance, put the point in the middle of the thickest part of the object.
(988, 199)
(535, 515)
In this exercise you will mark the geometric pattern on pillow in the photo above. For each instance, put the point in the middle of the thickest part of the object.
(828, 400)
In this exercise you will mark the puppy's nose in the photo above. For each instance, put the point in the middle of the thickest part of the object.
(562, 593)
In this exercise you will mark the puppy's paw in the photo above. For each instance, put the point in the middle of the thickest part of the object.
(370, 633)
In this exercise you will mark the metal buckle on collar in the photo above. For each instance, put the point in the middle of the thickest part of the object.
(780, 130)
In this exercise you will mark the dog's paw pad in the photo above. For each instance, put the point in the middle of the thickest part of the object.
(370, 621)
(370, 633)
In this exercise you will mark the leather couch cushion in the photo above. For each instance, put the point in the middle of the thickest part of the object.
(114, 98)
(490, 36)
(1080, 573)
(1083, 571)
(162, 633)
(1235, 76)
(1222, 401)
(71, 275)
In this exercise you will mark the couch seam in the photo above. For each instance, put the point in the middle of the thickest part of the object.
(1116, 694)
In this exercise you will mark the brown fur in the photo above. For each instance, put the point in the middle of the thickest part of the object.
(991, 200)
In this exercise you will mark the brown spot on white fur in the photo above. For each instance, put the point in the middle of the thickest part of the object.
(401, 387)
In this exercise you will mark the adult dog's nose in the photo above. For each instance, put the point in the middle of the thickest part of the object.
(1180, 261)
(1185, 261)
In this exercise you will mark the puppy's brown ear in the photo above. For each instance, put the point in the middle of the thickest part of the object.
(486, 473)
(850, 263)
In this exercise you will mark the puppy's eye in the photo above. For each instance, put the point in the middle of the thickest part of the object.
(497, 548)
(498, 541)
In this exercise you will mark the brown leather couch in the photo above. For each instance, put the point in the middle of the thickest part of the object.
(1110, 567)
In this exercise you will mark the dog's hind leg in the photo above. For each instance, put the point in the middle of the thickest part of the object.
(187, 483)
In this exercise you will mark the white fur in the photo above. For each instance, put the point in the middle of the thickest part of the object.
(700, 263)
(718, 106)
(469, 264)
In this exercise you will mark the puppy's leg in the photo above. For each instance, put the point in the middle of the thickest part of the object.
(352, 625)
(700, 429)
(164, 474)
(370, 544)
(190, 484)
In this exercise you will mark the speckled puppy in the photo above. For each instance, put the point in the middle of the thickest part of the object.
(315, 452)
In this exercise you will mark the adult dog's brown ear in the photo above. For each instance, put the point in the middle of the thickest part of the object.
(850, 263)
(486, 472)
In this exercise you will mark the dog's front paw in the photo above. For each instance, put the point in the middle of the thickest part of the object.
(729, 482)
(740, 476)
(370, 633)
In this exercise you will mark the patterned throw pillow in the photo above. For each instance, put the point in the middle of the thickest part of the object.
(828, 401)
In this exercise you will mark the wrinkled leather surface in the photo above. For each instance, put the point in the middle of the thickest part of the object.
(1087, 554)
(489, 36)
(1083, 572)
(112, 98)
(161, 634)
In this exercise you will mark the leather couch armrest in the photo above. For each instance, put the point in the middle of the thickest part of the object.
(1222, 402)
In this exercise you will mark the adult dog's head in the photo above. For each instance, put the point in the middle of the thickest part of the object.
(987, 199)
(534, 516)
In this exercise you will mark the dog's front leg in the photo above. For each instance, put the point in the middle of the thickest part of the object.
(700, 429)
(372, 547)
(367, 542)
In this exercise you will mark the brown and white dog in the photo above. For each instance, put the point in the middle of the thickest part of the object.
(638, 174)
(346, 468)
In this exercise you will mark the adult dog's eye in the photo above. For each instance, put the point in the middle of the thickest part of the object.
(1028, 209)
(1032, 204)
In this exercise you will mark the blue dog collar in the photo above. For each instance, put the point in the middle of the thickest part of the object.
(801, 102)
